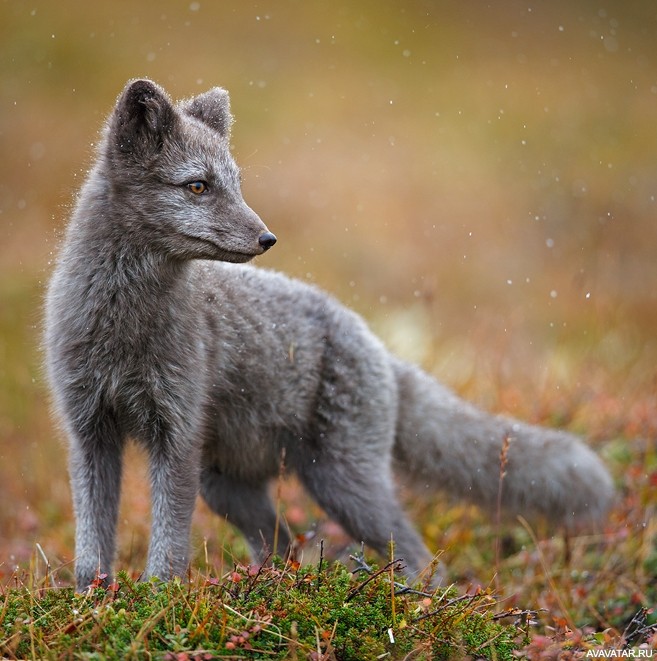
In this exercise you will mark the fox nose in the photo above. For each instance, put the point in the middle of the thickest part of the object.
(266, 240)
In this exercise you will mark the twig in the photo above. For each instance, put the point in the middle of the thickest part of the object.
(48, 575)
(467, 598)
(636, 631)
(281, 474)
(400, 588)
(321, 562)
(546, 571)
(504, 460)
(354, 591)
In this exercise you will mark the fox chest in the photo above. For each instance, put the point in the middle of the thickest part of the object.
(148, 388)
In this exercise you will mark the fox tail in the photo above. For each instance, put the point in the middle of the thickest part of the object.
(442, 442)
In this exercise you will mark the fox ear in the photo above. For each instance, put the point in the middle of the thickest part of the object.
(213, 109)
(143, 118)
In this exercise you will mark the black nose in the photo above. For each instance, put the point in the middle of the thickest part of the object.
(267, 240)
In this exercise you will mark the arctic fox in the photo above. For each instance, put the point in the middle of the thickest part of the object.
(156, 331)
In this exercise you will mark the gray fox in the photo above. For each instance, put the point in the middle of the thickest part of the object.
(156, 330)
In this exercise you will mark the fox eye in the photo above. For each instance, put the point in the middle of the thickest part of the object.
(197, 187)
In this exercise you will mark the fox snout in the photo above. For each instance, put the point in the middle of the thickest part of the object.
(266, 240)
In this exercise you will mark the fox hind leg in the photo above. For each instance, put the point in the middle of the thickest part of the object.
(359, 494)
(247, 506)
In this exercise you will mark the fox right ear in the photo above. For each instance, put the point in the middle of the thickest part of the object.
(213, 109)
(143, 118)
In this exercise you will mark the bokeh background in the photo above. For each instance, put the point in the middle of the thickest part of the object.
(478, 179)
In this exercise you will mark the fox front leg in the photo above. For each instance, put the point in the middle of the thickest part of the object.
(174, 473)
(95, 470)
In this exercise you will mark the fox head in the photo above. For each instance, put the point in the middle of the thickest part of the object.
(171, 175)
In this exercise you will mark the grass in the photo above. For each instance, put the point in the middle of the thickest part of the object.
(276, 612)
(279, 612)
(289, 611)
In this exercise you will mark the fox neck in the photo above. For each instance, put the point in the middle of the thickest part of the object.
(119, 286)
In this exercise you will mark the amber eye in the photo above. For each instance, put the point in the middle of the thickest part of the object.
(197, 187)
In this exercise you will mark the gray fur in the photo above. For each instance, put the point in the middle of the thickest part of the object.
(216, 368)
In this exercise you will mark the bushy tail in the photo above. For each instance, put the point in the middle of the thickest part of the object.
(445, 443)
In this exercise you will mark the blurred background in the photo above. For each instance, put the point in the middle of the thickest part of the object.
(477, 179)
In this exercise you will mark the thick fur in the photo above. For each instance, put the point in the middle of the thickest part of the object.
(217, 368)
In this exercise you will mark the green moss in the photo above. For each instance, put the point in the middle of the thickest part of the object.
(274, 613)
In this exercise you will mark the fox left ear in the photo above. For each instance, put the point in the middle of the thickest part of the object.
(213, 109)
(143, 119)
